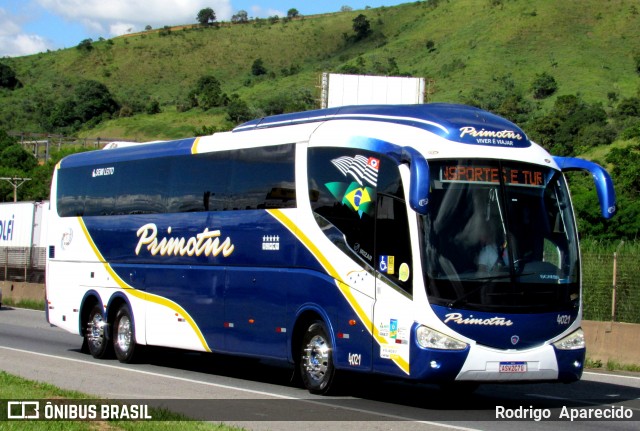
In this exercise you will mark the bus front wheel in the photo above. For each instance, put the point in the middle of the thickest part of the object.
(124, 340)
(316, 359)
(95, 333)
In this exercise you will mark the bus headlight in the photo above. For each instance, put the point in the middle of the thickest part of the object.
(432, 339)
(573, 341)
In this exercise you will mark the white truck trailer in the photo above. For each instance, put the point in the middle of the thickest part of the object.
(23, 235)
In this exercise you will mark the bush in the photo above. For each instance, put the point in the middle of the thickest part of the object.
(8, 77)
(361, 26)
(89, 102)
(238, 111)
(153, 107)
(257, 68)
(628, 107)
(85, 46)
(543, 86)
(206, 94)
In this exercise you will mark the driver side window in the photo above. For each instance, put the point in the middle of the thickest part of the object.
(357, 196)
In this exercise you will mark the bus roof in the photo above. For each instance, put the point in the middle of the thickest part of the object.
(459, 123)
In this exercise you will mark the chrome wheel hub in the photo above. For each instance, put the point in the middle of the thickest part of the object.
(95, 330)
(124, 334)
(316, 358)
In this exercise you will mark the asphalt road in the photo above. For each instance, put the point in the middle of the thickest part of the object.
(259, 395)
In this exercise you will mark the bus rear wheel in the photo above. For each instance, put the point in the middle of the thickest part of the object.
(124, 340)
(95, 333)
(316, 360)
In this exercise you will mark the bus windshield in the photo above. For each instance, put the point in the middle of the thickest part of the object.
(499, 236)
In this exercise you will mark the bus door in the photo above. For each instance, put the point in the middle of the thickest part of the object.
(393, 318)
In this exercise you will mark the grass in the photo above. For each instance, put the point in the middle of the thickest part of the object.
(611, 365)
(32, 304)
(17, 388)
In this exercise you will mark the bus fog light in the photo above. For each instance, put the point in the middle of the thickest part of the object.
(432, 339)
(573, 341)
(577, 364)
(435, 364)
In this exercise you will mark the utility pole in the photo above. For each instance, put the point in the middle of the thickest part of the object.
(15, 182)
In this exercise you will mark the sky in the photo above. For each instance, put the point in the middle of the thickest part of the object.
(32, 26)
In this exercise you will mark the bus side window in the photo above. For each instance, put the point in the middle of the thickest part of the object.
(393, 246)
(345, 186)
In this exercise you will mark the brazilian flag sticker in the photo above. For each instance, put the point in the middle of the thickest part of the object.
(354, 196)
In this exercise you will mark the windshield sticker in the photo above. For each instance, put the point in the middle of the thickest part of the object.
(386, 265)
(359, 199)
(362, 169)
(358, 195)
(404, 273)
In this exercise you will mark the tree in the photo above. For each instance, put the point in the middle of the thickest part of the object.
(89, 102)
(240, 18)
(16, 157)
(92, 100)
(237, 110)
(207, 93)
(206, 16)
(8, 77)
(85, 45)
(15, 161)
(292, 13)
(543, 86)
(346, 8)
(153, 107)
(257, 68)
(361, 26)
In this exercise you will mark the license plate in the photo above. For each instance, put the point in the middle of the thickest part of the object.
(513, 367)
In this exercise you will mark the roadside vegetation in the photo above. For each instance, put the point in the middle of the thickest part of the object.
(16, 388)
(611, 366)
(30, 304)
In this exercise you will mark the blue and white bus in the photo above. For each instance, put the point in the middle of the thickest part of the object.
(433, 242)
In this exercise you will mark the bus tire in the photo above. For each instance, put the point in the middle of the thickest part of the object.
(316, 359)
(96, 333)
(124, 339)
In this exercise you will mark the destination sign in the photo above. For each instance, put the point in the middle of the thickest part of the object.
(491, 175)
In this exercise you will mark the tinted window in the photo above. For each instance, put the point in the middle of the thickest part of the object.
(393, 245)
(228, 180)
(349, 189)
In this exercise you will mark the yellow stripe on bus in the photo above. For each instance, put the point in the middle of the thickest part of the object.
(143, 295)
(194, 146)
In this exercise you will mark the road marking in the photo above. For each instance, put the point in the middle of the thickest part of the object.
(251, 391)
(611, 375)
(149, 373)
(587, 402)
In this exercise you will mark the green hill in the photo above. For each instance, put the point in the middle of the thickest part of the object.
(590, 47)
